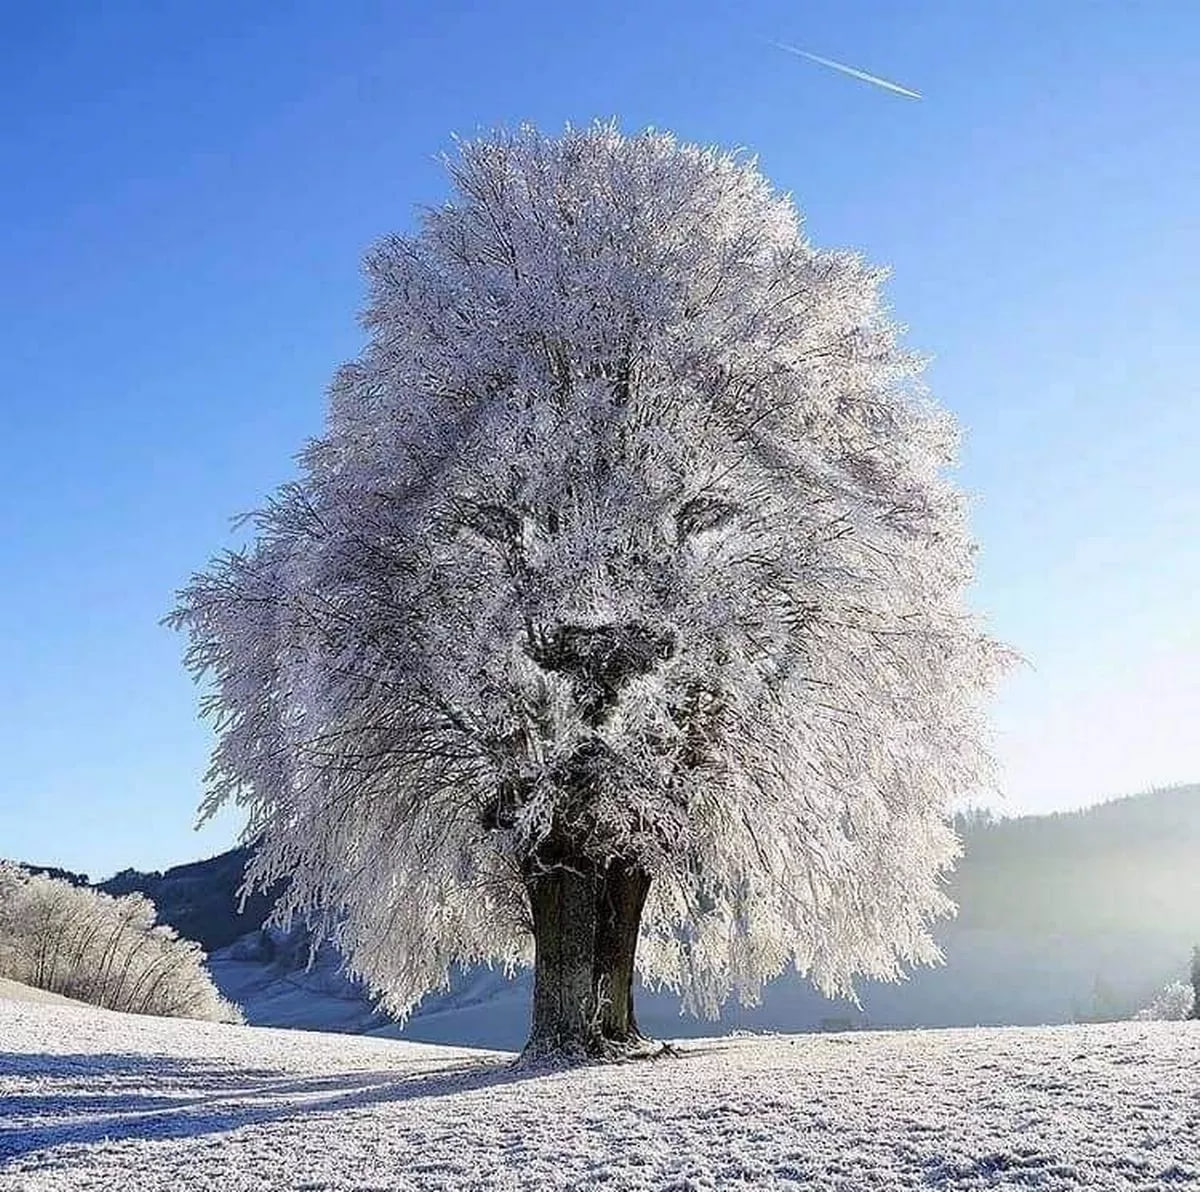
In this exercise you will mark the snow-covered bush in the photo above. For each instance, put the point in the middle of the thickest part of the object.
(11, 881)
(87, 945)
(1172, 1003)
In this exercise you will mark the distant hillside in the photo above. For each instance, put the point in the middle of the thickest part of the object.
(60, 875)
(200, 899)
(1062, 917)
(1131, 865)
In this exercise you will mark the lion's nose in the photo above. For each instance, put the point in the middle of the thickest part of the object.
(612, 653)
(601, 659)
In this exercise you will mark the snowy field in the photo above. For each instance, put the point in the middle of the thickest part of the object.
(95, 1100)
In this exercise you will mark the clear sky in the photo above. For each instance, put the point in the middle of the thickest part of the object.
(186, 190)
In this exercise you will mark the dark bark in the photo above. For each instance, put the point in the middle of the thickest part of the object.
(562, 901)
(622, 897)
(585, 927)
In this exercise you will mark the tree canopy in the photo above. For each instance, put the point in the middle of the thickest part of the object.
(629, 538)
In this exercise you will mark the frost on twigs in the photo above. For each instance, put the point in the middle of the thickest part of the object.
(91, 947)
(626, 571)
(1173, 1003)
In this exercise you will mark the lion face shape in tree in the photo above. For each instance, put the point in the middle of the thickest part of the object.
(628, 530)
(611, 607)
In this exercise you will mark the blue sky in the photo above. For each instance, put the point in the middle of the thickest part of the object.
(188, 189)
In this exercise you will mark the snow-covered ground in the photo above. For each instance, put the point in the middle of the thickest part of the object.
(16, 992)
(95, 1100)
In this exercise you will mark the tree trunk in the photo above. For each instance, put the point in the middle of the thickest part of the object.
(622, 897)
(585, 929)
(562, 900)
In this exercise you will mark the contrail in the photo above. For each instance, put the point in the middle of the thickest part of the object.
(858, 74)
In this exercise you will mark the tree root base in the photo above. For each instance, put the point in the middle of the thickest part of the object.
(552, 1054)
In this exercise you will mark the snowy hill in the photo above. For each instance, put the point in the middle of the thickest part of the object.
(95, 1100)
(14, 991)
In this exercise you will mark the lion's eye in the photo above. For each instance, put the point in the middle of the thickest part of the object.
(493, 522)
(702, 514)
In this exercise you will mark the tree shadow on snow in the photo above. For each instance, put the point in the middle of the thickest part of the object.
(169, 1098)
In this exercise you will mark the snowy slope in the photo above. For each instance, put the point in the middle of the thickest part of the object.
(92, 1100)
(14, 991)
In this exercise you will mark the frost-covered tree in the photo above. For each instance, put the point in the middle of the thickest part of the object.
(12, 879)
(617, 619)
(1195, 974)
(1173, 1003)
(87, 945)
